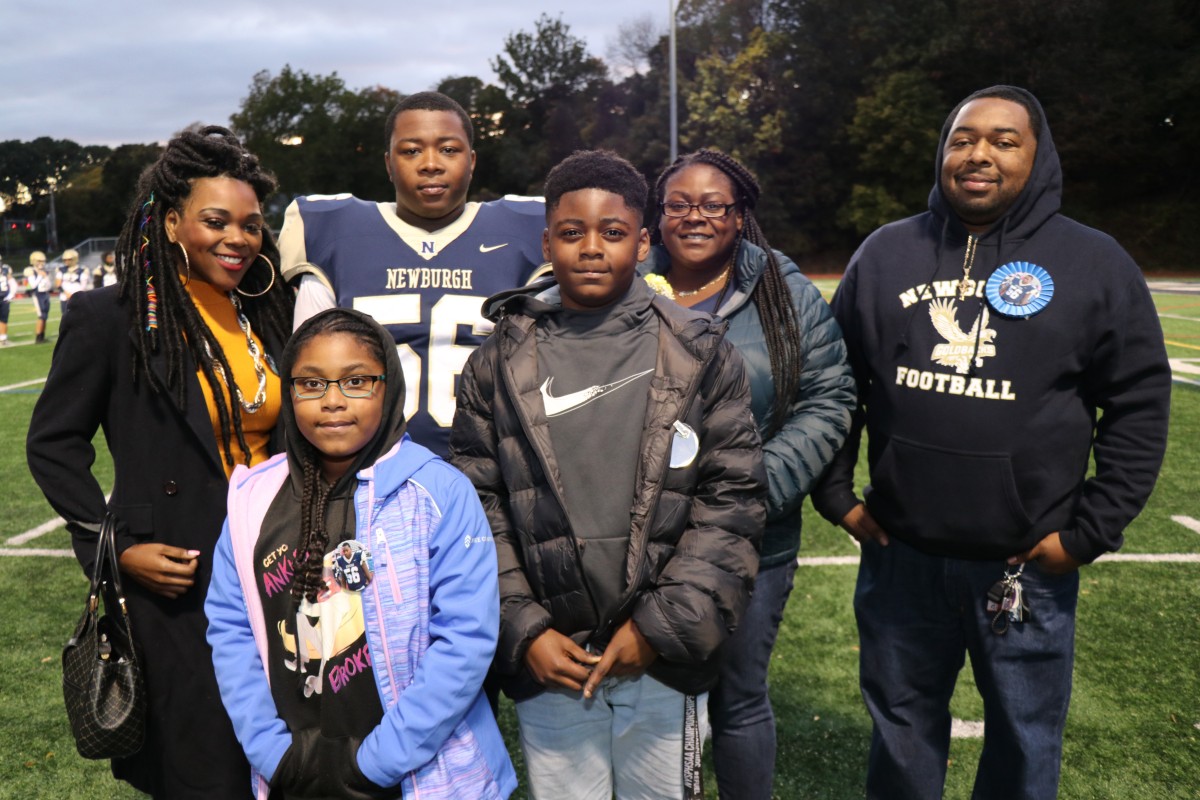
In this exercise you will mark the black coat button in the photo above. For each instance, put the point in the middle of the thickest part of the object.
(170, 488)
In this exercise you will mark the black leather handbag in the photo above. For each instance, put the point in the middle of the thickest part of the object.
(102, 680)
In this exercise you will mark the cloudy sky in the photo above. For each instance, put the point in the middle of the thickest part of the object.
(120, 72)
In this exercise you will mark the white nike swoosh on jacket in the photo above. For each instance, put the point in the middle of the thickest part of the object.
(569, 402)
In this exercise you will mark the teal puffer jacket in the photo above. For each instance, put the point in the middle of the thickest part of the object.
(819, 417)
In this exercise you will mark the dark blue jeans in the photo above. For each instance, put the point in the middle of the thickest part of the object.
(918, 615)
(743, 725)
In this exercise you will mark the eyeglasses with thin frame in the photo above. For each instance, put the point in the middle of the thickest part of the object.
(678, 208)
(354, 386)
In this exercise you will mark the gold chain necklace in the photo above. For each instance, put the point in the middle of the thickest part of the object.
(260, 396)
(724, 274)
(968, 261)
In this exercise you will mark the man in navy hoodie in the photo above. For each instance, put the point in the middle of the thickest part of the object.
(986, 335)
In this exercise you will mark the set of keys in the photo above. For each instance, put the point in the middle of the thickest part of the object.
(1006, 602)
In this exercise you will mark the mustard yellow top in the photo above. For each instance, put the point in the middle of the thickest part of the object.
(218, 313)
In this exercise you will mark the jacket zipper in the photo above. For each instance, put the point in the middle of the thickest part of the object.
(397, 595)
(652, 507)
(383, 639)
(526, 427)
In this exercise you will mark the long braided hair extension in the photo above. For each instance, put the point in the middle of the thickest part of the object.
(165, 318)
(314, 535)
(771, 297)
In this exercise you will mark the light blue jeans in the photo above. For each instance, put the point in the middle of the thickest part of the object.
(634, 736)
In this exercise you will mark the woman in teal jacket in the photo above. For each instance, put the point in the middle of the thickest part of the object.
(712, 256)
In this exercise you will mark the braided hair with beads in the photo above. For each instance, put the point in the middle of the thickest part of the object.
(165, 318)
(771, 297)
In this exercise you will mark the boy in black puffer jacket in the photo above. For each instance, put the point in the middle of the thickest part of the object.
(609, 434)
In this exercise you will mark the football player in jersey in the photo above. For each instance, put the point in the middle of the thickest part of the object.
(421, 265)
(351, 569)
(74, 278)
(8, 289)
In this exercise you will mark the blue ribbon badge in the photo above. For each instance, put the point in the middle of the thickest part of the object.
(1020, 289)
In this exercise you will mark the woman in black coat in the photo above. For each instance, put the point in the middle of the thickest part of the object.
(175, 364)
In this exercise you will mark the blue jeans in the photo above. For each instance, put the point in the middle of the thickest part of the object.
(630, 737)
(743, 724)
(917, 617)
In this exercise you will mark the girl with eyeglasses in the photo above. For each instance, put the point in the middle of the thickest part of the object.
(354, 606)
(175, 364)
(712, 256)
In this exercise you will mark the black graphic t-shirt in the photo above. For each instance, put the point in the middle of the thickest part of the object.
(320, 665)
(595, 369)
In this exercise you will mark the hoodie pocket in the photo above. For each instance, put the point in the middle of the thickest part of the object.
(955, 497)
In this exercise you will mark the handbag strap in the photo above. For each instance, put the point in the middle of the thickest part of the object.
(99, 565)
(107, 568)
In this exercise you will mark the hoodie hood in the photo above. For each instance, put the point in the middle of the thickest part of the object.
(533, 300)
(391, 426)
(1038, 201)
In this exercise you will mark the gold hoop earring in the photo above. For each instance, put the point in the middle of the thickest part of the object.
(269, 285)
(187, 265)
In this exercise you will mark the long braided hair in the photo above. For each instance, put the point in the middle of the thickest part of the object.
(771, 297)
(165, 318)
(314, 500)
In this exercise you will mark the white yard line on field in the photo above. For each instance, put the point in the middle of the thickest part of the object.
(1189, 366)
(1188, 522)
(965, 729)
(826, 561)
(22, 384)
(1144, 558)
(34, 551)
(41, 530)
(1152, 558)
(33, 533)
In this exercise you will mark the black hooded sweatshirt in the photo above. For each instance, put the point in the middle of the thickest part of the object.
(979, 434)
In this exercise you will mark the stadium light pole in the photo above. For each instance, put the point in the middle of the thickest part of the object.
(52, 219)
(671, 9)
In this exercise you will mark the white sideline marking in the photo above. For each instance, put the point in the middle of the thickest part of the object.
(33, 551)
(1188, 522)
(1191, 366)
(22, 385)
(33, 533)
(1158, 558)
(826, 561)
(965, 729)
(41, 530)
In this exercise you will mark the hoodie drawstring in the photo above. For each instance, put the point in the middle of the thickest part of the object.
(914, 308)
(983, 300)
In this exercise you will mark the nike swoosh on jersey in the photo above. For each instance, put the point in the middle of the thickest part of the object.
(483, 248)
(556, 406)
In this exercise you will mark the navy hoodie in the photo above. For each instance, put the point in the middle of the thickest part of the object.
(980, 425)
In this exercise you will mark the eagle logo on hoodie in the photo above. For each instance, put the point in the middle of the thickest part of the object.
(960, 345)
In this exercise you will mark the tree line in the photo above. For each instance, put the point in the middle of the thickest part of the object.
(836, 105)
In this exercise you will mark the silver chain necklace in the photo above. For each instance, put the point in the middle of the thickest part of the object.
(260, 396)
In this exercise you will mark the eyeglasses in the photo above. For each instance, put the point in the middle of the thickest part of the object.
(678, 208)
(356, 386)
